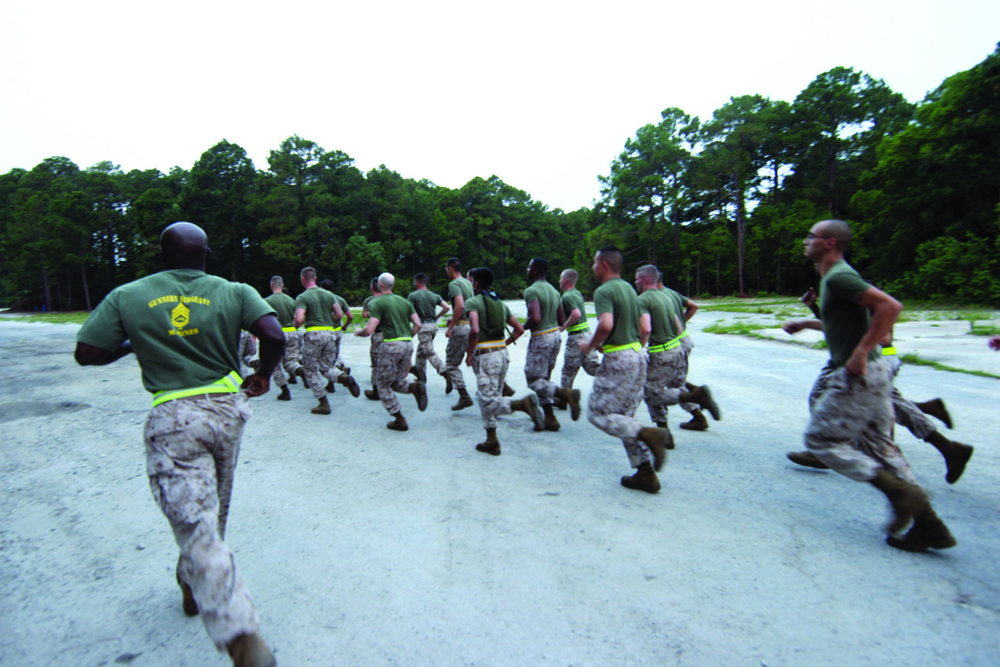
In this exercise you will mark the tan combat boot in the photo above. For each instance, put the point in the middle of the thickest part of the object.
(371, 394)
(507, 391)
(419, 390)
(351, 384)
(250, 651)
(399, 424)
(928, 532)
(936, 408)
(570, 398)
(284, 395)
(659, 440)
(492, 445)
(188, 601)
(956, 455)
(644, 479)
(703, 397)
(323, 408)
(697, 423)
(807, 459)
(464, 400)
(529, 406)
(908, 500)
(551, 423)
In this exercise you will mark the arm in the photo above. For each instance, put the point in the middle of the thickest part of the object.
(534, 316)
(516, 330)
(473, 337)
(300, 317)
(795, 326)
(809, 299)
(645, 328)
(416, 323)
(88, 355)
(457, 315)
(605, 323)
(560, 316)
(444, 308)
(884, 311)
(691, 309)
(338, 314)
(369, 328)
(350, 318)
(574, 317)
(995, 343)
(272, 346)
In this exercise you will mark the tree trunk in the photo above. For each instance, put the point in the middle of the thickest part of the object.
(48, 288)
(86, 289)
(740, 231)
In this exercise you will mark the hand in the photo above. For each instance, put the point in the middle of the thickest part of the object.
(792, 326)
(584, 346)
(809, 298)
(857, 364)
(256, 385)
(995, 343)
(447, 334)
(468, 359)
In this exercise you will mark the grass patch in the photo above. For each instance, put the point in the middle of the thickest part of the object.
(737, 328)
(917, 360)
(984, 330)
(51, 318)
(819, 345)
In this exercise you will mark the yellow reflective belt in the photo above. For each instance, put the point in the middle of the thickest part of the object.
(230, 384)
(888, 352)
(579, 327)
(288, 329)
(320, 329)
(491, 343)
(619, 348)
(463, 322)
(542, 333)
(676, 342)
(393, 340)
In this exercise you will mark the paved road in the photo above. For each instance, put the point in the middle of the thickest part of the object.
(368, 547)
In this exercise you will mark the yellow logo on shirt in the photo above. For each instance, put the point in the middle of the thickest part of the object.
(180, 316)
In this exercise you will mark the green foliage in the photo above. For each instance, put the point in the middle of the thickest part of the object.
(738, 328)
(962, 270)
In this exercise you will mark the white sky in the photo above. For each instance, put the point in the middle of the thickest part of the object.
(543, 94)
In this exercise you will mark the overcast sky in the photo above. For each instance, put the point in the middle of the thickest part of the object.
(543, 94)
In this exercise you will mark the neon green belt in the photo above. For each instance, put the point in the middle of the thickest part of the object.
(888, 352)
(230, 384)
(393, 340)
(288, 329)
(542, 333)
(579, 327)
(320, 329)
(619, 348)
(666, 346)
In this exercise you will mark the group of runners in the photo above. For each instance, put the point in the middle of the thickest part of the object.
(185, 326)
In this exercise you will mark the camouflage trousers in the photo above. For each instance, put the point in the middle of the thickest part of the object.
(373, 349)
(319, 358)
(573, 359)
(491, 373)
(665, 377)
(425, 349)
(192, 446)
(391, 374)
(615, 396)
(454, 354)
(246, 353)
(289, 359)
(907, 414)
(543, 350)
(851, 420)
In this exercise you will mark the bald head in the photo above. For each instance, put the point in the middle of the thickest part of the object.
(183, 245)
(838, 230)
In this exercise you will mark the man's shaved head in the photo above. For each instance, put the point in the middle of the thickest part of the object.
(184, 245)
(836, 229)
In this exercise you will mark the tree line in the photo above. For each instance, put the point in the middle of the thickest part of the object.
(720, 204)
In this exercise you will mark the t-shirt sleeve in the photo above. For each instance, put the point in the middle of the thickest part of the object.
(104, 328)
(603, 303)
(643, 305)
(847, 285)
(254, 307)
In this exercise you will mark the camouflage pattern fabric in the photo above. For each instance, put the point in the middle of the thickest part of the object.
(390, 375)
(425, 348)
(616, 394)
(373, 349)
(491, 373)
(851, 421)
(665, 376)
(454, 354)
(319, 354)
(906, 413)
(574, 359)
(542, 353)
(289, 359)
(192, 446)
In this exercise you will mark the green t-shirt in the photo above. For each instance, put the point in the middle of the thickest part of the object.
(367, 306)
(184, 326)
(459, 286)
(425, 302)
(681, 302)
(492, 316)
(618, 298)
(548, 303)
(318, 304)
(284, 307)
(393, 313)
(661, 309)
(572, 298)
(342, 302)
(844, 321)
